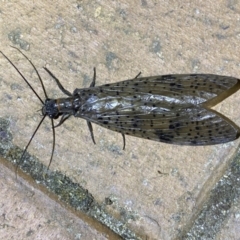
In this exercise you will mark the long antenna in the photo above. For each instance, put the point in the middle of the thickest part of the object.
(23, 76)
(53, 146)
(45, 93)
(29, 143)
(39, 77)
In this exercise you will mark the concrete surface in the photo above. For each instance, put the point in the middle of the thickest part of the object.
(157, 191)
(27, 214)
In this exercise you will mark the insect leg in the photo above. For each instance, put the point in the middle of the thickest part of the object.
(63, 119)
(91, 131)
(89, 124)
(124, 141)
(123, 135)
(94, 78)
(58, 83)
(138, 75)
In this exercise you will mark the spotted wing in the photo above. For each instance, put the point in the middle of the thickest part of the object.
(164, 108)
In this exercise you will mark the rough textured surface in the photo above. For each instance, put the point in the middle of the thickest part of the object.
(154, 188)
(220, 205)
(59, 188)
(27, 214)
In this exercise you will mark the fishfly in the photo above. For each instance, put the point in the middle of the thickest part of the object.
(174, 109)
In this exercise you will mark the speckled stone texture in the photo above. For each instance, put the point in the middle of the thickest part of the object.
(157, 190)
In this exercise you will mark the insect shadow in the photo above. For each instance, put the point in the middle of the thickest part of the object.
(174, 109)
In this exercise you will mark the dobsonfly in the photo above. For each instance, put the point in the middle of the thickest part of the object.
(174, 109)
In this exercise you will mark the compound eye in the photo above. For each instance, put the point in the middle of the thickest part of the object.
(43, 110)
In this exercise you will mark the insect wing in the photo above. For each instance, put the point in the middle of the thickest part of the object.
(190, 126)
(182, 89)
(163, 108)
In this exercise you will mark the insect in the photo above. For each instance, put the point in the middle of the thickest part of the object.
(174, 109)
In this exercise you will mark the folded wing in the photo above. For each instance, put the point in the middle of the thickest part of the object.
(171, 109)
